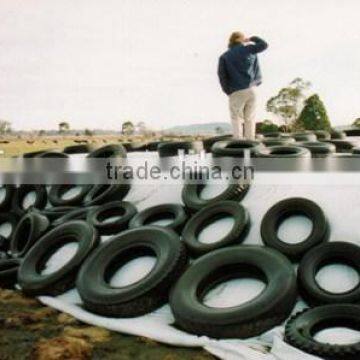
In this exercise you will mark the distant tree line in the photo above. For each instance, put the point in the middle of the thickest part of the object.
(5, 127)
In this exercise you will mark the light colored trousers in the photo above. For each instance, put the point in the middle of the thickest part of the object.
(242, 105)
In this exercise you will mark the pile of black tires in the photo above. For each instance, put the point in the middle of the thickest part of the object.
(316, 144)
(275, 144)
(39, 231)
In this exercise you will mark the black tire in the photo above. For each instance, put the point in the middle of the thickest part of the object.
(343, 146)
(22, 191)
(57, 212)
(153, 146)
(279, 141)
(4, 244)
(13, 220)
(108, 151)
(337, 135)
(126, 145)
(138, 146)
(289, 207)
(318, 148)
(301, 328)
(305, 136)
(235, 148)
(33, 283)
(324, 254)
(57, 191)
(5, 203)
(271, 134)
(356, 151)
(267, 310)
(172, 148)
(101, 194)
(78, 149)
(29, 229)
(144, 295)
(53, 155)
(208, 143)
(175, 212)
(35, 154)
(210, 214)
(9, 273)
(191, 195)
(322, 135)
(352, 132)
(97, 216)
(76, 214)
(284, 152)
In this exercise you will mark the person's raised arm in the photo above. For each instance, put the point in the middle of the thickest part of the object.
(258, 45)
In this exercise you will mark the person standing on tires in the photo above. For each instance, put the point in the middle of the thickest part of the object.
(239, 73)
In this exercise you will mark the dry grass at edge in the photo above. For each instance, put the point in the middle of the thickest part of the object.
(16, 146)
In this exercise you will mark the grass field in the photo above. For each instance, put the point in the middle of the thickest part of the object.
(16, 147)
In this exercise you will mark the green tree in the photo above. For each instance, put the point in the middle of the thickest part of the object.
(64, 126)
(313, 115)
(5, 127)
(357, 122)
(88, 132)
(266, 126)
(128, 128)
(287, 104)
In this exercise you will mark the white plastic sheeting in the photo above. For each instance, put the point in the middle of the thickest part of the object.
(340, 203)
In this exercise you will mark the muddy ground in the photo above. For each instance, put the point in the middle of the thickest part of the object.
(29, 330)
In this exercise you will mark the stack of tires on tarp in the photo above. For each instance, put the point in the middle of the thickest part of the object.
(283, 145)
(40, 231)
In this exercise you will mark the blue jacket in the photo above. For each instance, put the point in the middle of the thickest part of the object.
(239, 67)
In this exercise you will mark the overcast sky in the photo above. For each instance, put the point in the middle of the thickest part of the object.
(98, 63)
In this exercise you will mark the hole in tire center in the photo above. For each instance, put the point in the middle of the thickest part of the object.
(5, 229)
(217, 230)
(240, 146)
(163, 219)
(234, 292)
(71, 192)
(231, 285)
(110, 215)
(2, 194)
(337, 278)
(133, 271)
(212, 190)
(29, 200)
(61, 257)
(282, 151)
(338, 336)
(295, 229)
